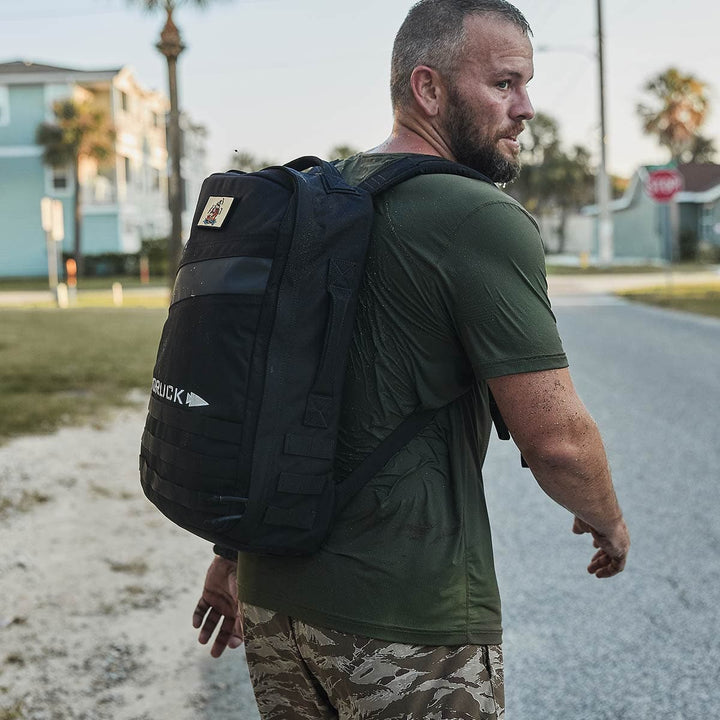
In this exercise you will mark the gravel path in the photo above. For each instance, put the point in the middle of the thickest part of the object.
(97, 590)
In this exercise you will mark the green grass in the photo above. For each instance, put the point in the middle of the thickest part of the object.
(621, 269)
(92, 299)
(61, 367)
(699, 298)
(94, 292)
(91, 283)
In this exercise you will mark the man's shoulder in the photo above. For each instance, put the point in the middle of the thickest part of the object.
(463, 199)
(361, 166)
(460, 188)
(439, 197)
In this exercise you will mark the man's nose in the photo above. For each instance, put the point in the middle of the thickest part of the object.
(522, 109)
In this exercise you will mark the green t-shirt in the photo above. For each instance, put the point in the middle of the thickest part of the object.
(454, 293)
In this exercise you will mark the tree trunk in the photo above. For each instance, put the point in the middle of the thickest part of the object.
(77, 239)
(171, 46)
(175, 183)
(562, 230)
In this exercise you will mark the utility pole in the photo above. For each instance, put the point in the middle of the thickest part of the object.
(605, 223)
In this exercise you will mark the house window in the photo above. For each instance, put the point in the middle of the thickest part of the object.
(4, 105)
(128, 170)
(59, 181)
(124, 101)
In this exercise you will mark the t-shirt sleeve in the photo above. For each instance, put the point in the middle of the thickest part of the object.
(495, 270)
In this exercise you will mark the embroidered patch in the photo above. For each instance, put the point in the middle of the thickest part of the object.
(215, 212)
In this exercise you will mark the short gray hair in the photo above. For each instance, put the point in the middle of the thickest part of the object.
(433, 34)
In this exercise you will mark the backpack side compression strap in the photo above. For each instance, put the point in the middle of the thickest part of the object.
(376, 460)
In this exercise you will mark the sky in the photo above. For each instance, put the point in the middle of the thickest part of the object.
(284, 78)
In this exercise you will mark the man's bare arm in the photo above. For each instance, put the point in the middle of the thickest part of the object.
(562, 445)
(218, 607)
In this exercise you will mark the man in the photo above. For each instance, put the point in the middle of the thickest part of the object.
(398, 614)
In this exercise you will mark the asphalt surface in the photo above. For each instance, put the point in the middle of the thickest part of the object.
(646, 644)
(643, 645)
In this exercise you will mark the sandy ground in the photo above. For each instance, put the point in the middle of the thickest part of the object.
(97, 589)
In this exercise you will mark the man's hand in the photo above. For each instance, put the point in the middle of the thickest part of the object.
(612, 551)
(220, 600)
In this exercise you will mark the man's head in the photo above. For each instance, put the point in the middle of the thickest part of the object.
(463, 65)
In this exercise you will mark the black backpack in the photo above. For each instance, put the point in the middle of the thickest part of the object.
(240, 436)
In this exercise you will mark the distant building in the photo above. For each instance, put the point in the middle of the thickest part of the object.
(193, 166)
(122, 203)
(643, 228)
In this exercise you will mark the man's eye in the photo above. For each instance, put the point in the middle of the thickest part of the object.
(504, 84)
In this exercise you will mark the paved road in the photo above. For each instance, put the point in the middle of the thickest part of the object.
(644, 645)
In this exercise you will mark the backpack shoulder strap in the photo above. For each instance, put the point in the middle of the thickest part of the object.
(394, 173)
(410, 166)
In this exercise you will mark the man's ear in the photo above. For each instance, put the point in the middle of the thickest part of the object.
(427, 88)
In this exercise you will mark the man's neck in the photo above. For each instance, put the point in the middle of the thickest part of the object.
(409, 136)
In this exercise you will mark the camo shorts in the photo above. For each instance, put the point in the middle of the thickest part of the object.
(301, 672)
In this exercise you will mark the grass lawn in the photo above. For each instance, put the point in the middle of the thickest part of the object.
(65, 366)
(619, 269)
(702, 298)
(100, 299)
(90, 283)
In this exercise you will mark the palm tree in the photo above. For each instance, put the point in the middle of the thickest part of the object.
(248, 162)
(540, 145)
(81, 130)
(679, 107)
(171, 46)
(702, 150)
(342, 151)
(552, 181)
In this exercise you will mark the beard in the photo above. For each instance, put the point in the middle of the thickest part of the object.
(471, 147)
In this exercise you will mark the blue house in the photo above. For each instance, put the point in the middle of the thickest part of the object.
(121, 202)
(648, 231)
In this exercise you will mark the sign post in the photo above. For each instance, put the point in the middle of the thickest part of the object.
(662, 185)
(51, 213)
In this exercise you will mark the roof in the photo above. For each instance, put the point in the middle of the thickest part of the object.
(701, 184)
(700, 177)
(27, 67)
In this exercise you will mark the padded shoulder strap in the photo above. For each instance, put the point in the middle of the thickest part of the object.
(408, 167)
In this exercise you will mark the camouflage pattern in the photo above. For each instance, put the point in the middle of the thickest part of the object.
(301, 672)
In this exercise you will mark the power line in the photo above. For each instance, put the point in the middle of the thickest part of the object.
(34, 15)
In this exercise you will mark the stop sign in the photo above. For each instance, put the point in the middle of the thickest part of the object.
(661, 185)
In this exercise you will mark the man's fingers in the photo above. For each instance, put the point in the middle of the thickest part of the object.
(226, 637)
(603, 565)
(200, 609)
(230, 633)
(208, 628)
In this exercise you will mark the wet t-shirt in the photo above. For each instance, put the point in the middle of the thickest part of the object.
(454, 293)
